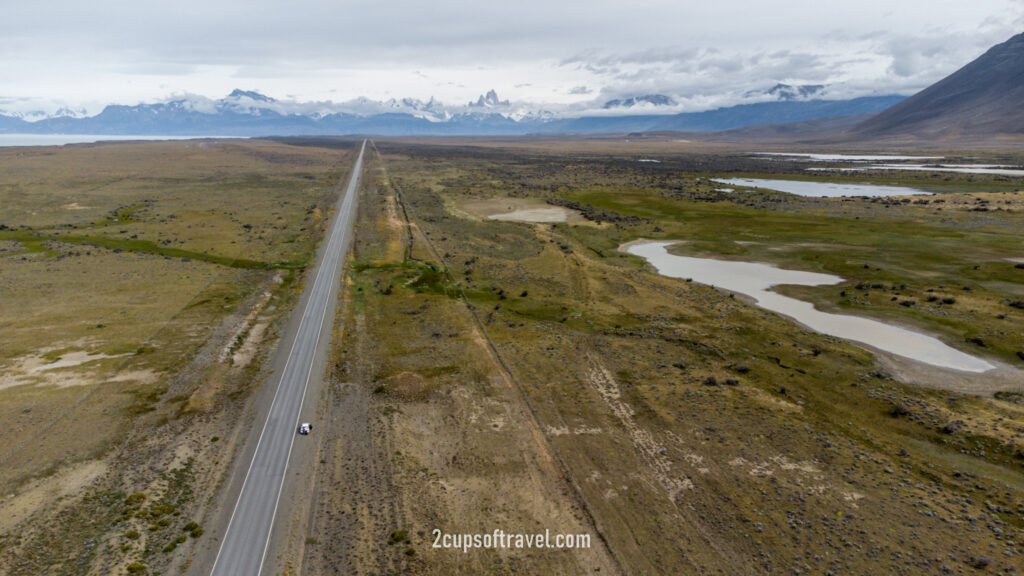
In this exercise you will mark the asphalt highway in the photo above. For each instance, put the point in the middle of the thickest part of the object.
(243, 549)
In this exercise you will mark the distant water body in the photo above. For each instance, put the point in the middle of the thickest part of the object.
(823, 189)
(959, 168)
(61, 139)
(848, 157)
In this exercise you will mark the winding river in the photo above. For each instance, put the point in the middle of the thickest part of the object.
(756, 280)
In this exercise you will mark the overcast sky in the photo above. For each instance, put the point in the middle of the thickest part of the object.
(86, 54)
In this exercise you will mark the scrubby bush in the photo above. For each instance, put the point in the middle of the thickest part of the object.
(898, 410)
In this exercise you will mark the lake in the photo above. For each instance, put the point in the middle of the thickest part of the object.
(847, 157)
(823, 189)
(756, 279)
(61, 139)
(959, 168)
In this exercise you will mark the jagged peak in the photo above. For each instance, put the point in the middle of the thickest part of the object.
(252, 94)
(489, 100)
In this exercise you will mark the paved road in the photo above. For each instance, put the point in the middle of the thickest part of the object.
(244, 546)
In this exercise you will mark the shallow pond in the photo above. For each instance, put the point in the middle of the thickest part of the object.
(848, 157)
(61, 139)
(958, 168)
(756, 279)
(543, 215)
(822, 189)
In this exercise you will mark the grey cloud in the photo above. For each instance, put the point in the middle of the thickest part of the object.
(710, 74)
(722, 65)
(155, 68)
(692, 51)
(651, 56)
(601, 70)
(5, 100)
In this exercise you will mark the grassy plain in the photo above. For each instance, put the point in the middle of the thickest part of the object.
(496, 374)
(693, 432)
(142, 284)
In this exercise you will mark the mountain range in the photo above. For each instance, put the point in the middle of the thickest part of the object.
(250, 113)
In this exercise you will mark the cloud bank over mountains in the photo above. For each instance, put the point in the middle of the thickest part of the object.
(490, 104)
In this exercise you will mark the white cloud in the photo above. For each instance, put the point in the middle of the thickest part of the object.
(701, 53)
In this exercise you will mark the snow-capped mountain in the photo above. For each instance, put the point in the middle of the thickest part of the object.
(789, 93)
(36, 115)
(251, 95)
(651, 100)
(489, 100)
(251, 113)
(66, 112)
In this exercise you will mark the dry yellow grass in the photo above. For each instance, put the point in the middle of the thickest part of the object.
(126, 269)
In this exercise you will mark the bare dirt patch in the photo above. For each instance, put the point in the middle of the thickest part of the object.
(1002, 377)
(43, 492)
(247, 334)
(407, 386)
(518, 210)
(77, 368)
(654, 453)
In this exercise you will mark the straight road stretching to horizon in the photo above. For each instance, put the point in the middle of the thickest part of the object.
(244, 547)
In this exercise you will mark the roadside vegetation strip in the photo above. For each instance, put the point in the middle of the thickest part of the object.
(421, 276)
(35, 238)
(432, 277)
